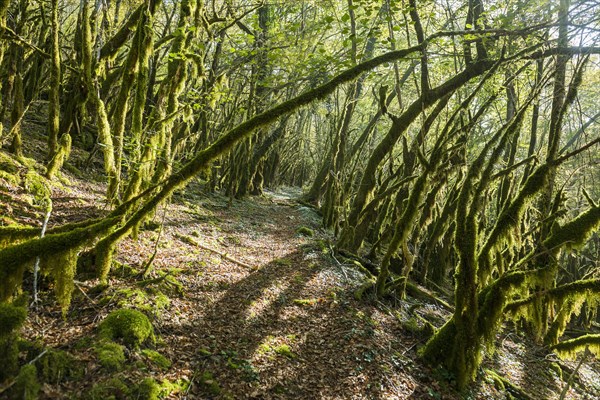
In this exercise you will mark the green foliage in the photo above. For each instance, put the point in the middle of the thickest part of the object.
(110, 355)
(131, 326)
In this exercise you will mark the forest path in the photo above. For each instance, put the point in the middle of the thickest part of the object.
(273, 319)
(287, 329)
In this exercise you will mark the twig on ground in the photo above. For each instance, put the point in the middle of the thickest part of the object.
(226, 256)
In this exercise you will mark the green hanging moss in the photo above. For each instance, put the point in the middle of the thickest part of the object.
(105, 250)
(570, 348)
(14, 259)
(59, 158)
(509, 218)
(26, 386)
(574, 233)
(62, 266)
(110, 355)
(132, 326)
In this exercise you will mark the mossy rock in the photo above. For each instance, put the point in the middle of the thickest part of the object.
(110, 355)
(26, 386)
(148, 389)
(305, 231)
(157, 359)
(131, 326)
(112, 389)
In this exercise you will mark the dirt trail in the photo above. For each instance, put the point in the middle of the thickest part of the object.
(286, 328)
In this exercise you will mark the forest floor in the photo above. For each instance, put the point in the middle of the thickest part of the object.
(245, 306)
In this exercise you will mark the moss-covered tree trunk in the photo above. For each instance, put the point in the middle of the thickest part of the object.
(55, 78)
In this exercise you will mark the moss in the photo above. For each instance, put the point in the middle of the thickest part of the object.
(208, 383)
(61, 155)
(132, 326)
(148, 389)
(305, 231)
(306, 302)
(110, 355)
(37, 186)
(13, 259)
(286, 262)
(575, 232)
(570, 348)
(157, 359)
(112, 389)
(15, 233)
(284, 350)
(12, 316)
(26, 385)
(55, 366)
(62, 266)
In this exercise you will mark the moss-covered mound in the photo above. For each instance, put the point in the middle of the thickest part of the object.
(131, 326)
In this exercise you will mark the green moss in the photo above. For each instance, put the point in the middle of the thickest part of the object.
(61, 155)
(112, 389)
(284, 350)
(305, 231)
(148, 389)
(286, 262)
(12, 316)
(26, 385)
(306, 302)
(38, 187)
(110, 355)
(569, 348)
(62, 266)
(132, 326)
(574, 233)
(157, 359)
(55, 366)
(208, 383)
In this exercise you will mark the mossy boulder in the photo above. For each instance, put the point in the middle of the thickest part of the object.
(110, 355)
(148, 389)
(131, 326)
(112, 389)
(156, 358)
